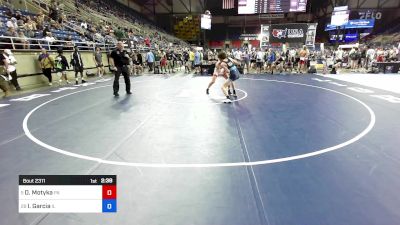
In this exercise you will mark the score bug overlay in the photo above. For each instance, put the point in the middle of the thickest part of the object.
(67, 194)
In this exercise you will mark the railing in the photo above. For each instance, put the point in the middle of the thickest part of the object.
(34, 43)
(17, 43)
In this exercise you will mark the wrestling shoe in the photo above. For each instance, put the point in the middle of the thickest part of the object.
(227, 101)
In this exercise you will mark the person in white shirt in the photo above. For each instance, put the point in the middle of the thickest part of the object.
(370, 56)
(339, 57)
(9, 62)
(260, 60)
(393, 54)
(49, 38)
(12, 23)
(84, 25)
(238, 55)
(353, 55)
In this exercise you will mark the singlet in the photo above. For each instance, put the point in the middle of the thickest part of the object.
(233, 71)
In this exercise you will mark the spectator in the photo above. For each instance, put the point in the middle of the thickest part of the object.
(137, 63)
(12, 23)
(84, 25)
(61, 65)
(98, 60)
(150, 60)
(18, 15)
(370, 56)
(40, 18)
(77, 63)
(271, 58)
(4, 85)
(69, 44)
(147, 41)
(339, 55)
(380, 55)
(11, 32)
(29, 28)
(46, 63)
(8, 61)
(354, 57)
(45, 31)
(197, 61)
(23, 40)
(363, 57)
(54, 10)
(49, 40)
(393, 53)
(304, 59)
(163, 62)
(20, 23)
(260, 59)
(191, 58)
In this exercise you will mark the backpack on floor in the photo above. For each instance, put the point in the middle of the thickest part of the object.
(333, 71)
(90, 73)
(312, 69)
(156, 70)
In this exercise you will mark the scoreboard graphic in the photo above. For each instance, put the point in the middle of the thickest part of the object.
(67, 194)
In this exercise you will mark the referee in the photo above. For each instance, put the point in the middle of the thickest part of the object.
(120, 63)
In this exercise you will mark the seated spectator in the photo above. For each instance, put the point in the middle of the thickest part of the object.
(20, 23)
(62, 18)
(23, 40)
(11, 32)
(40, 18)
(45, 31)
(54, 24)
(12, 23)
(98, 37)
(49, 37)
(9, 12)
(84, 25)
(48, 40)
(29, 28)
(69, 45)
(18, 15)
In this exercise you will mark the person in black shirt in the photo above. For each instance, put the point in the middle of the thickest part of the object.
(120, 62)
(170, 62)
(176, 59)
(186, 61)
(139, 58)
(77, 63)
(136, 64)
(61, 65)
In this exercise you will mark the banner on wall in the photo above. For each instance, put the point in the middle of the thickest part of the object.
(353, 24)
(264, 36)
(311, 33)
(288, 33)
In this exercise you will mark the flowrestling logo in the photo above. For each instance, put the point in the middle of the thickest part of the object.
(287, 33)
(279, 33)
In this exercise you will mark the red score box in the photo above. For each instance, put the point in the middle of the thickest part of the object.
(109, 192)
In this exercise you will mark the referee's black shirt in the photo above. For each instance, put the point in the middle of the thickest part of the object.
(120, 58)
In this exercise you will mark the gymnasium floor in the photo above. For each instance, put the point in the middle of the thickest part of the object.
(292, 150)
